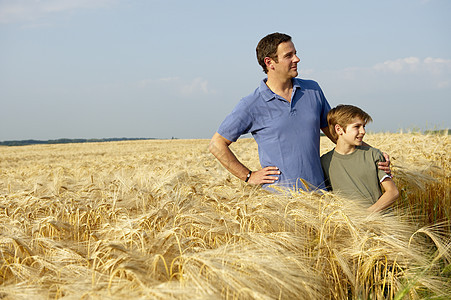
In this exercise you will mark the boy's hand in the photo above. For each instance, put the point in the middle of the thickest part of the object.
(385, 165)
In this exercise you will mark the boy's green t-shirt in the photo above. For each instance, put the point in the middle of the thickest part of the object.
(355, 175)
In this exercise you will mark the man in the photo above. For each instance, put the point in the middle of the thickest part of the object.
(284, 115)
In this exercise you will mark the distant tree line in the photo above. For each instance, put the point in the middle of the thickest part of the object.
(440, 132)
(68, 141)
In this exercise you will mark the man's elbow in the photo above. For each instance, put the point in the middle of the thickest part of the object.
(211, 147)
(215, 146)
(218, 144)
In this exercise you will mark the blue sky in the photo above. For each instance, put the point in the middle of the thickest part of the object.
(117, 68)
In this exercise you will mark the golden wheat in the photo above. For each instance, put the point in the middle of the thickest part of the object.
(164, 220)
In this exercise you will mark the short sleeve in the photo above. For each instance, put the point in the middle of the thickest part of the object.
(237, 123)
(325, 164)
(379, 157)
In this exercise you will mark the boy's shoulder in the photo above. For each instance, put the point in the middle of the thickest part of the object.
(328, 154)
(365, 148)
(370, 150)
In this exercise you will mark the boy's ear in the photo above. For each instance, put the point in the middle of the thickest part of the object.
(338, 129)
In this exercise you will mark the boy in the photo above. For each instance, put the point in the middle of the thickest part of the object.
(351, 168)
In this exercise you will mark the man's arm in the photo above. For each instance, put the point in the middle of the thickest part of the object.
(385, 165)
(326, 131)
(388, 197)
(219, 147)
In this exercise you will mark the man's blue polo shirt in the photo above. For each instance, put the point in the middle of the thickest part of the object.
(287, 134)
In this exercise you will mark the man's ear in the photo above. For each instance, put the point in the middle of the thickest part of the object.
(268, 62)
(338, 129)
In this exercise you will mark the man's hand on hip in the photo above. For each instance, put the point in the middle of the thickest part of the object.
(385, 166)
(265, 175)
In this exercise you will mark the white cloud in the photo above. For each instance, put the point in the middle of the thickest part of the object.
(430, 65)
(393, 81)
(437, 65)
(196, 86)
(398, 93)
(12, 11)
(434, 73)
(396, 66)
(410, 73)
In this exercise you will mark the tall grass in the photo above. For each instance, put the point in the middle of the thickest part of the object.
(422, 168)
(164, 220)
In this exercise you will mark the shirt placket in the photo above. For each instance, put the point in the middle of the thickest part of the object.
(286, 104)
(292, 103)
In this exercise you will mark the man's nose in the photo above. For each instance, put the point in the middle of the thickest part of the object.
(296, 58)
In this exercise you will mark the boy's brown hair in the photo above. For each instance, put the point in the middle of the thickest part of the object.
(343, 116)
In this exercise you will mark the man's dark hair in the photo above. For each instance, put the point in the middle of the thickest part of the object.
(267, 47)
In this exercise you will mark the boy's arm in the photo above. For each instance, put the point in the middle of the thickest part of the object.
(327, 133)
(387, 198)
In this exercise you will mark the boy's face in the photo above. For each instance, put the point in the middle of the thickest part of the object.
(355, 131)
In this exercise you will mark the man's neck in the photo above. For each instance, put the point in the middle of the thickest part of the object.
(283, 88)
(344, 148)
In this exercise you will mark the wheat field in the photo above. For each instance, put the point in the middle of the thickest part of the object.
(162, 219)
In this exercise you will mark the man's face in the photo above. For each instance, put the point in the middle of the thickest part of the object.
(287, 65)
